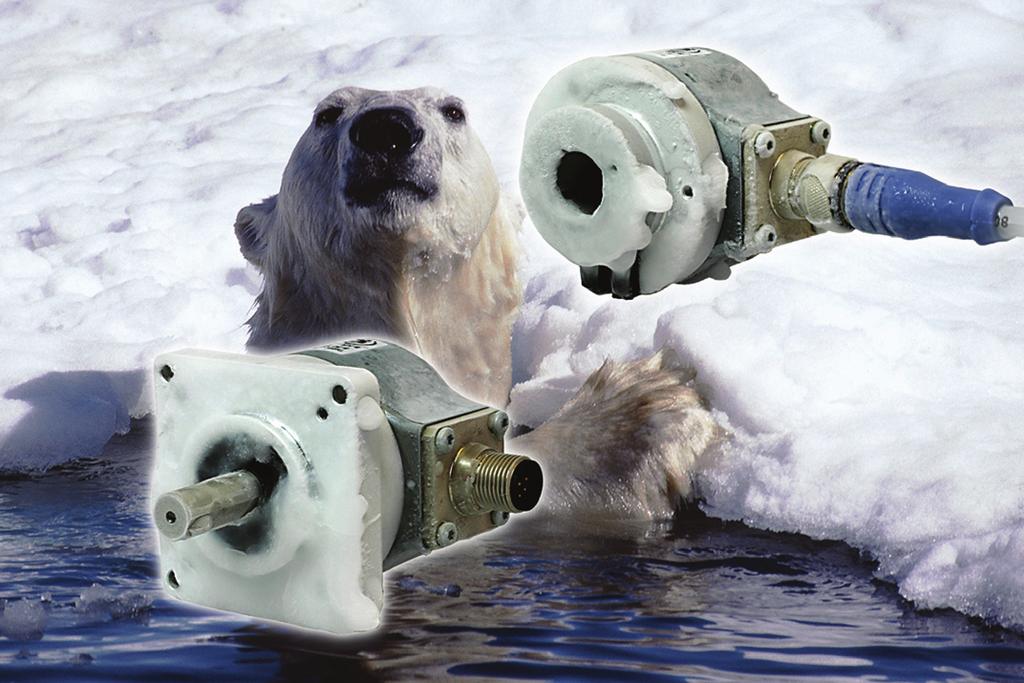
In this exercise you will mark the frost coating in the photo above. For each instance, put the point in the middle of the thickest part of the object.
(662, 261)
(663, 180)
(629, 189)
(315, 557)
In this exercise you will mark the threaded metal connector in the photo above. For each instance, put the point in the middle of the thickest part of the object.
(484, 480)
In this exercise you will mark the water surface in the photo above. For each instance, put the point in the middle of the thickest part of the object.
(698, 600)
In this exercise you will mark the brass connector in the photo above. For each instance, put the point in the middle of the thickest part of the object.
(806, 187)
(485, 480)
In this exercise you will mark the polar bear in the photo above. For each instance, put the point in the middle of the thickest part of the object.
(390, 223)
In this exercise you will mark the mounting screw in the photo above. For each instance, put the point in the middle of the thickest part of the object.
(499, 517)
(764, 144)
(498, 423)
(447, 533)
(444, 440)
(821, 132)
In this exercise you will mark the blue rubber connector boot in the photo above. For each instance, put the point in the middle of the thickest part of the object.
(912, 205)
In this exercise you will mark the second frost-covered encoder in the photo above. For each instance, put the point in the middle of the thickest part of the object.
(670, 166)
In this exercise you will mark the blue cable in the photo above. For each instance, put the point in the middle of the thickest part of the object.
(912, 205)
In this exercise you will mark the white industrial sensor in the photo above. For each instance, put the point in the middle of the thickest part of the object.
(284, 486)
(671, 166)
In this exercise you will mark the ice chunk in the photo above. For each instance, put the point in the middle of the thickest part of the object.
(104, 603)
(23, 619)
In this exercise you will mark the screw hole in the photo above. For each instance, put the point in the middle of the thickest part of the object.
(339, 394)
(687, 191)
(321, 412)
(166, 373)
(171, 517)
(771, 237)
(769, 145)
(172, 580)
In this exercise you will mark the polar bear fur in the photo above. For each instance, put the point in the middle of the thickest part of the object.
(416, 247)
(629, 443)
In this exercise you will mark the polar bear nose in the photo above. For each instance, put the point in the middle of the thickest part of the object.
(387, 130)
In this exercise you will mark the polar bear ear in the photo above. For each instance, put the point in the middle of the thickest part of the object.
(251, 228)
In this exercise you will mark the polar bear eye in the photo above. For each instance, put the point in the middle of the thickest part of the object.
(453, 113)
(328, 116)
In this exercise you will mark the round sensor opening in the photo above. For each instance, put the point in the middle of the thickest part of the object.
(580, 181)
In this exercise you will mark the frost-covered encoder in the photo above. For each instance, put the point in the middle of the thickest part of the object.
(284, 486)
(670, 166)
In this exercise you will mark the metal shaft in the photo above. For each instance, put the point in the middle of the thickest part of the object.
(208, 505)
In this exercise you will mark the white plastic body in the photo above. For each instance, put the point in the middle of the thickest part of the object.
(333, 516)
(1011, 222)
(664, 181)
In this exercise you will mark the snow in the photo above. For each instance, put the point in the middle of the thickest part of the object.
(872, 385)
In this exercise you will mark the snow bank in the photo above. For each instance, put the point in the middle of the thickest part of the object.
(874, 404)
(869, 382)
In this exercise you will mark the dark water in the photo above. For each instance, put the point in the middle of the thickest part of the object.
(702, 600)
